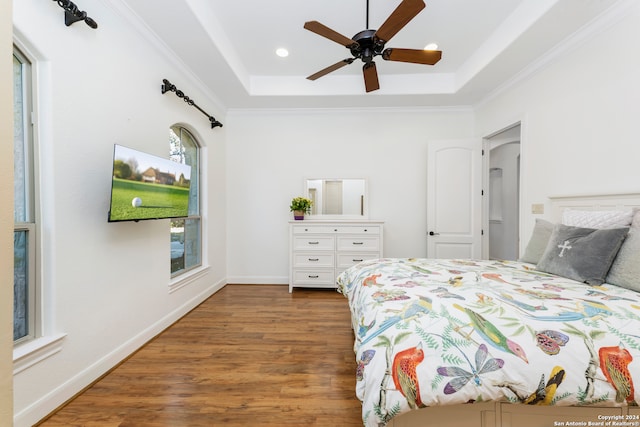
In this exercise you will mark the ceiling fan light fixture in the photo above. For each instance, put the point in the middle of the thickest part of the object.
(282, 52)
(431, 46)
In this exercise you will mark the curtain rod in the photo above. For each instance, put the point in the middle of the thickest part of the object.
(167, 86)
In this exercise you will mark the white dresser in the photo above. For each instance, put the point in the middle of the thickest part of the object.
(319, 250)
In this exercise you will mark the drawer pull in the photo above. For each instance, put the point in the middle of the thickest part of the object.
(357, 260)
(313, 276)
(314, 259)
(358, 243)
(314, 243)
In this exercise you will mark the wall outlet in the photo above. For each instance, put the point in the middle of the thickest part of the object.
(537, 208)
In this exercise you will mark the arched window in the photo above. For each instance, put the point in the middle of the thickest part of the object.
(186, 233)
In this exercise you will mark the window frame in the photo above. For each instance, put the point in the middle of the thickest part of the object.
(27, 221)
(195, 214)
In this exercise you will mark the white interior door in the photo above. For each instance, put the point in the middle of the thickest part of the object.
(454, 199)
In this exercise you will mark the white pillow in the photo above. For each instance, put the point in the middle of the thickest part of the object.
(597, 219)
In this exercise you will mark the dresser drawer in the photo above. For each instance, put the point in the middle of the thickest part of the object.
(313, 243)
(358, 243)
(347, 260)
(358, 229)
(311, 260)
(310, 277)
(314, 229)
(340, 229)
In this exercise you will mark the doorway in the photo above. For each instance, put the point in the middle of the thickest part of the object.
(502, 172)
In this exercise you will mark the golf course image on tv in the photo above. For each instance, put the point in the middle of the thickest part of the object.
(144, 186)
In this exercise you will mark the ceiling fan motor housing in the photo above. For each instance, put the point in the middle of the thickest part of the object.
(367, 45)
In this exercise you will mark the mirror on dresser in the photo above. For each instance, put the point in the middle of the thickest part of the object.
(337, 197)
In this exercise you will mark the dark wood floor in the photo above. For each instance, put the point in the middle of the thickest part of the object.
(251, 355)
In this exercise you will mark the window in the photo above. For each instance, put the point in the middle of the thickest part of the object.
(186, 241)
(24, 231)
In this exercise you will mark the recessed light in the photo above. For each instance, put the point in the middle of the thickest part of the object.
(282, 52)
(431, 46)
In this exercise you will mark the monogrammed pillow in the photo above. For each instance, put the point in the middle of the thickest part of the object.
(582, 254)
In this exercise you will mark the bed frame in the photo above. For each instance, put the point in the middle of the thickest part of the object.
(504, 414)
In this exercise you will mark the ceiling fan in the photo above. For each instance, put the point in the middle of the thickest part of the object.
(368, 44)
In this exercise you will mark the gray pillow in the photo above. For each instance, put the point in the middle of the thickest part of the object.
(625, 270)
(538, 242)
(582, 254)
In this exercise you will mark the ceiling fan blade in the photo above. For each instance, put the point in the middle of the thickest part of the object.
(400, 17)
(331, 68)
(324, 31)
(370, 77)
(415, 56)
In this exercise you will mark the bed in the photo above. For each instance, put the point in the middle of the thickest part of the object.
(552, 339)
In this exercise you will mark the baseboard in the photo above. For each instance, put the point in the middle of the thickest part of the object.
(259, 280)
(56, 398)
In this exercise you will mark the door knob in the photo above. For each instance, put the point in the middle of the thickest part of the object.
(433, 233)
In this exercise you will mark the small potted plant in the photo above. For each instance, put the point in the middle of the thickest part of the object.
(299, 206)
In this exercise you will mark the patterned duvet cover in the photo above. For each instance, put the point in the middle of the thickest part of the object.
(444, 332)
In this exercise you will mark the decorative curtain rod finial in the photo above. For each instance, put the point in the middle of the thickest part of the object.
(167, 86)
(214, 123)
(72, 14)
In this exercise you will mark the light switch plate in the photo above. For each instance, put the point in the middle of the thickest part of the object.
(537, 208)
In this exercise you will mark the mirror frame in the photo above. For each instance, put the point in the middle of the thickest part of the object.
(364, 208)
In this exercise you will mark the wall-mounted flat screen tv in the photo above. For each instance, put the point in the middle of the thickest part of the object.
(144, 186)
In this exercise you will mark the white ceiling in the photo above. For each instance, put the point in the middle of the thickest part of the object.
(229, 46)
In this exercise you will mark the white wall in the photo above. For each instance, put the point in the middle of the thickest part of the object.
(579, 118)
(271, 153)
(106, 285)
(6, 215)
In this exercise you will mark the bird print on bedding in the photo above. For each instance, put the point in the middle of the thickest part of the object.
(405, 377)
(496, 277)
(411, 310)
(371, 280)
(545, 392)
(442, 292)
(508, 299)
(604, 296)
(614, 362)
(584, 309)
(492, 335)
